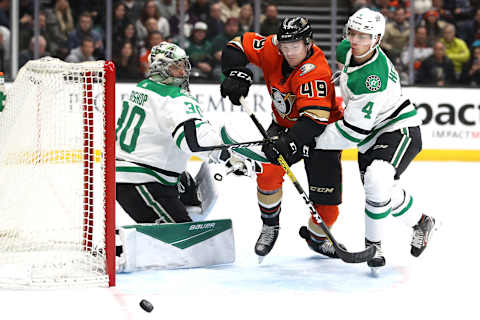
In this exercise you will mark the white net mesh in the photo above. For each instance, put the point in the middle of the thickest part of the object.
(52, 195)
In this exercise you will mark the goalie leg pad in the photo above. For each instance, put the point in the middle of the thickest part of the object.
(180, 245)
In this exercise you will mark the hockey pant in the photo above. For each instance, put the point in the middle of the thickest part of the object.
(151, 202)
(324, 174)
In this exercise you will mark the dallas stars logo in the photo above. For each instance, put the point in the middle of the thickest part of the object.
(373, 83)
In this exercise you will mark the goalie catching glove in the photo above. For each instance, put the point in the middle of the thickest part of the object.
(239, 166)
(236, 84)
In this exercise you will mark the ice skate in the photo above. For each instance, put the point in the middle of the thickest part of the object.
(378, 260)
(319, 244)
(266, 241)
(421, 234)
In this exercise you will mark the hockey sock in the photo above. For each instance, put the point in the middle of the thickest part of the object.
(270, 203)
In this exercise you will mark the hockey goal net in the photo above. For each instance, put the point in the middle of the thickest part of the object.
(57, 198)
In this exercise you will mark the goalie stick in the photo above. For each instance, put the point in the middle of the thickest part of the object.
(346, 256)
(192, 140)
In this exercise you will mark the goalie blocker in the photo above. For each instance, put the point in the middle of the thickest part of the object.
(172, 246)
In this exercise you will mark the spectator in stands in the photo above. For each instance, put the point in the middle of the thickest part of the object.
(175, 22)
(444, 14)
(245, 18)
(214, 23)
(127, 63)
(4, 48)
(271, 22)
(60, 18)
(433, 25)
(396, 35)
(459, 10)
(470, 29)
(455, 48)
(421, 6)
(28, 54)
(471, 71)
(150, 10)
(167, 7)
(199, 11)
(150, 25)
(84, 29)
(154, 38)
(230, 31)
(120, 19)
(230, 9)
(84, 52)
(437, 69)
(134, 9)
(5, 13)
(129, 34)
(421, 51)
(95, 8)
(199, 53)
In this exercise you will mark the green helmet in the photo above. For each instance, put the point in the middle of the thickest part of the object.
(164, 55)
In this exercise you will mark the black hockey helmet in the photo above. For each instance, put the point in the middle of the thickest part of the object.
(293, 29)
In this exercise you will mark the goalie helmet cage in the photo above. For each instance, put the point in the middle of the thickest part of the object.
(57, 163)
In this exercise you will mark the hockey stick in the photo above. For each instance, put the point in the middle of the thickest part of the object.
(192, 141)
(349, 257)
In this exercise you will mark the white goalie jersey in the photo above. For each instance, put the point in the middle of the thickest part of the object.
(374, 103)
(150, 140)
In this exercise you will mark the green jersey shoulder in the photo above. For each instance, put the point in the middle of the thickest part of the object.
(371, 77)
(164, 90)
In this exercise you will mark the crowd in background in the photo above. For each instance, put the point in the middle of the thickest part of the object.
(446, 41)
(73, 30)
(446, 45)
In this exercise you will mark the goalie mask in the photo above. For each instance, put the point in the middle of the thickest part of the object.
(168, 64)
(367, 21)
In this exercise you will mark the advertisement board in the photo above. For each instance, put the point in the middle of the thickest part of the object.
(451, 117)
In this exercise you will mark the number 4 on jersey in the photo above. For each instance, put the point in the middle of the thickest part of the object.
(367, 109)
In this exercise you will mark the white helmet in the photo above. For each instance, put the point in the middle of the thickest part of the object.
(367, 21)
(160, 59)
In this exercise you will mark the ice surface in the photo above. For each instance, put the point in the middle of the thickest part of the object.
(294, 282)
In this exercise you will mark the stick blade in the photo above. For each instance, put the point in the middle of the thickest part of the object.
(356, 257)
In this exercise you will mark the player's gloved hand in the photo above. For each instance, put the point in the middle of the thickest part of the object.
(285, 144)
(239, 166)
(236, 84)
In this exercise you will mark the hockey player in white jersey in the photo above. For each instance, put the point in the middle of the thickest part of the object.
(383, 124)
(152, 149)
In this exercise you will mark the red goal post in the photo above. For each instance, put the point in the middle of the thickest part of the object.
(57, 163)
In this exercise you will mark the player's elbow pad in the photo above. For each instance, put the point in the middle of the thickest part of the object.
(305, 130)
(233, 57)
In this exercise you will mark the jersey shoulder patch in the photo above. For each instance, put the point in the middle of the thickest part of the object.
(342, 50)
(370, 78)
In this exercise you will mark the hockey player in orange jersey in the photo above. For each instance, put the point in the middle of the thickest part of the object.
(298, 79)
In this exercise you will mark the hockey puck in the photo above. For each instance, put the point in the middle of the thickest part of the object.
(146, 305)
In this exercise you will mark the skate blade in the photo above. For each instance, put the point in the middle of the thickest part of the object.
(260, 259)
(375, 271)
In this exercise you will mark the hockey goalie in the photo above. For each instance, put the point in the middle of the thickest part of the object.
(169, 206)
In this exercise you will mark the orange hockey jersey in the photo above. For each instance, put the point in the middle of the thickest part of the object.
(308, 87)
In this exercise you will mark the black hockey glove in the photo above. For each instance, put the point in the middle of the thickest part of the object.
(293, 144)
(236, 84)
(287, 145)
